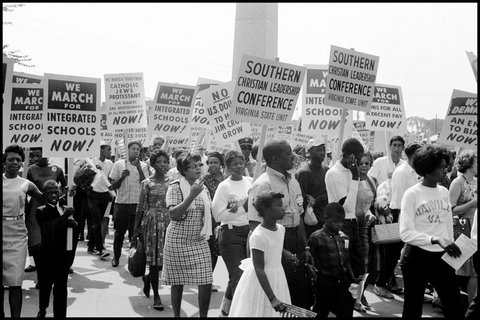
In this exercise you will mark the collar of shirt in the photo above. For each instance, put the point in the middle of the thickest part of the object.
(287, 176)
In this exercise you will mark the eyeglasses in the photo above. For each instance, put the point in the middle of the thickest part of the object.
(246, 147)
(195, 166)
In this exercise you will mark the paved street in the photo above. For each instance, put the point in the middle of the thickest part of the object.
(96, 289)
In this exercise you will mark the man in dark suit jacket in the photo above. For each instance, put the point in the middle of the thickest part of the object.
(54, 259)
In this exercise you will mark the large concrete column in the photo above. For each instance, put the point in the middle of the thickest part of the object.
(256, 32)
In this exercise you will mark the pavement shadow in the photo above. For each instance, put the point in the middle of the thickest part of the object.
(80, 282)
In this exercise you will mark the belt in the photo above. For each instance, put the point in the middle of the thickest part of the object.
(291, 228)
(230, 226)
(353, 219)
(12, 218)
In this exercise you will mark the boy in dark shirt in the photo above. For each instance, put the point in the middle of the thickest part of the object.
(329, 247)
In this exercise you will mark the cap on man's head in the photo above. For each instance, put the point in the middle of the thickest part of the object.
(104, 143)
(245, 140)
(135, 142)
(314, 143)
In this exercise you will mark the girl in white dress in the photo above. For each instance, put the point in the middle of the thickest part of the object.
(263, 289)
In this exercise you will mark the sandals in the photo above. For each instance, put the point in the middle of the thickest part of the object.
(157, 305)
(146, 286)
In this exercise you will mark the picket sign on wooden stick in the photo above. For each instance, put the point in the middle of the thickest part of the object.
(199, 140)
(259, 159)
(70, 165)
(25, 163)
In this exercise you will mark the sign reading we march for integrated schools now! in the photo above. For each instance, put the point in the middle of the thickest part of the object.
(125, 105)
(460, 127)
(23, 122)
(351, 79)
(387, 112)
(71, 117)
(172, 111)
(266, 91)
(20, 77)
(217, 102)
(317, 118)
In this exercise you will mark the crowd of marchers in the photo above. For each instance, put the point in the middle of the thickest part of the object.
(296, 229)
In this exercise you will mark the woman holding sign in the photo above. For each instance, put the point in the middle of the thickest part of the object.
(426, 227)
(186, 255)
(14, 230)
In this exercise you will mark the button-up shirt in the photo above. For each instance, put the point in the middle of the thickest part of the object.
(382, 167)
(403, 178)
(338, 180)
(273, 180)
(129, 190)
(330, 252)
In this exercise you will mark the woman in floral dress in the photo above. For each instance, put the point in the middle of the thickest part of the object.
(152, 220)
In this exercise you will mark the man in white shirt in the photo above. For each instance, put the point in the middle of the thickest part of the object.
(126, 175)
(403, 178)
(383, 167)
(342, 186)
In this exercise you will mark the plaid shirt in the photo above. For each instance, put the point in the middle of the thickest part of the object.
(129, 190)
(330, 252)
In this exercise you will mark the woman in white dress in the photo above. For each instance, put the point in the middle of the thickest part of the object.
(263, 290)
(14, 230)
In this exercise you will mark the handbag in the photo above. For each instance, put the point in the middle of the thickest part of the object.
(386, 233)
(137, 259)
(84, 176)
(292, 311)
(461, 225)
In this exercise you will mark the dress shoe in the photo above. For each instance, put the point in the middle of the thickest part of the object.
(157, 304)
(359, 307)
(30, 268)
(395, 289)
(382, 292)
(115, 262)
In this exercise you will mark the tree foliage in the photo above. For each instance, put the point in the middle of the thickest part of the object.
(21, 59)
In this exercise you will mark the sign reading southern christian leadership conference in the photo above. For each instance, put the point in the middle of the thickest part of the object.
(460, 128)
(351, 79)
(173, 106)
(266, 91)
(72, 120)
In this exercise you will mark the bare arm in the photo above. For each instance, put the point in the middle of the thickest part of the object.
(259, 265)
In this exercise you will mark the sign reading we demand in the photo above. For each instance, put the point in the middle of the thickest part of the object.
(71, 116)
(460, 127)
(266, 91)
(351, 79)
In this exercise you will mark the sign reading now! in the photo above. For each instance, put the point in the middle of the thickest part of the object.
(461, 126)
(351, 79)
(387, 112)
(71, 116)
(266, 91)
(24, 121)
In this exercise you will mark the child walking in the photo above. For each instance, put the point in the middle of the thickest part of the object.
(263, 289)
(329, 247)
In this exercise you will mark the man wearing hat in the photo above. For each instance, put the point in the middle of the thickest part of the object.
(126, 175)
(246, 145)
(311, 177)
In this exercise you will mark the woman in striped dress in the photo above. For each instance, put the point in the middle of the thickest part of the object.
(15, 190)
(186, 254)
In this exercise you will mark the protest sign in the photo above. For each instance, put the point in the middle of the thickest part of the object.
(173, 105)
(460, 125)
(266, 91)
(105, 134)
(212, 144)
(23, 123)
(126, 107)
(71, 117)
(7, 82)
(317, 118)
(351, 79)
(217, 102)
(387, 112)
(199, 121)
(20, 77)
